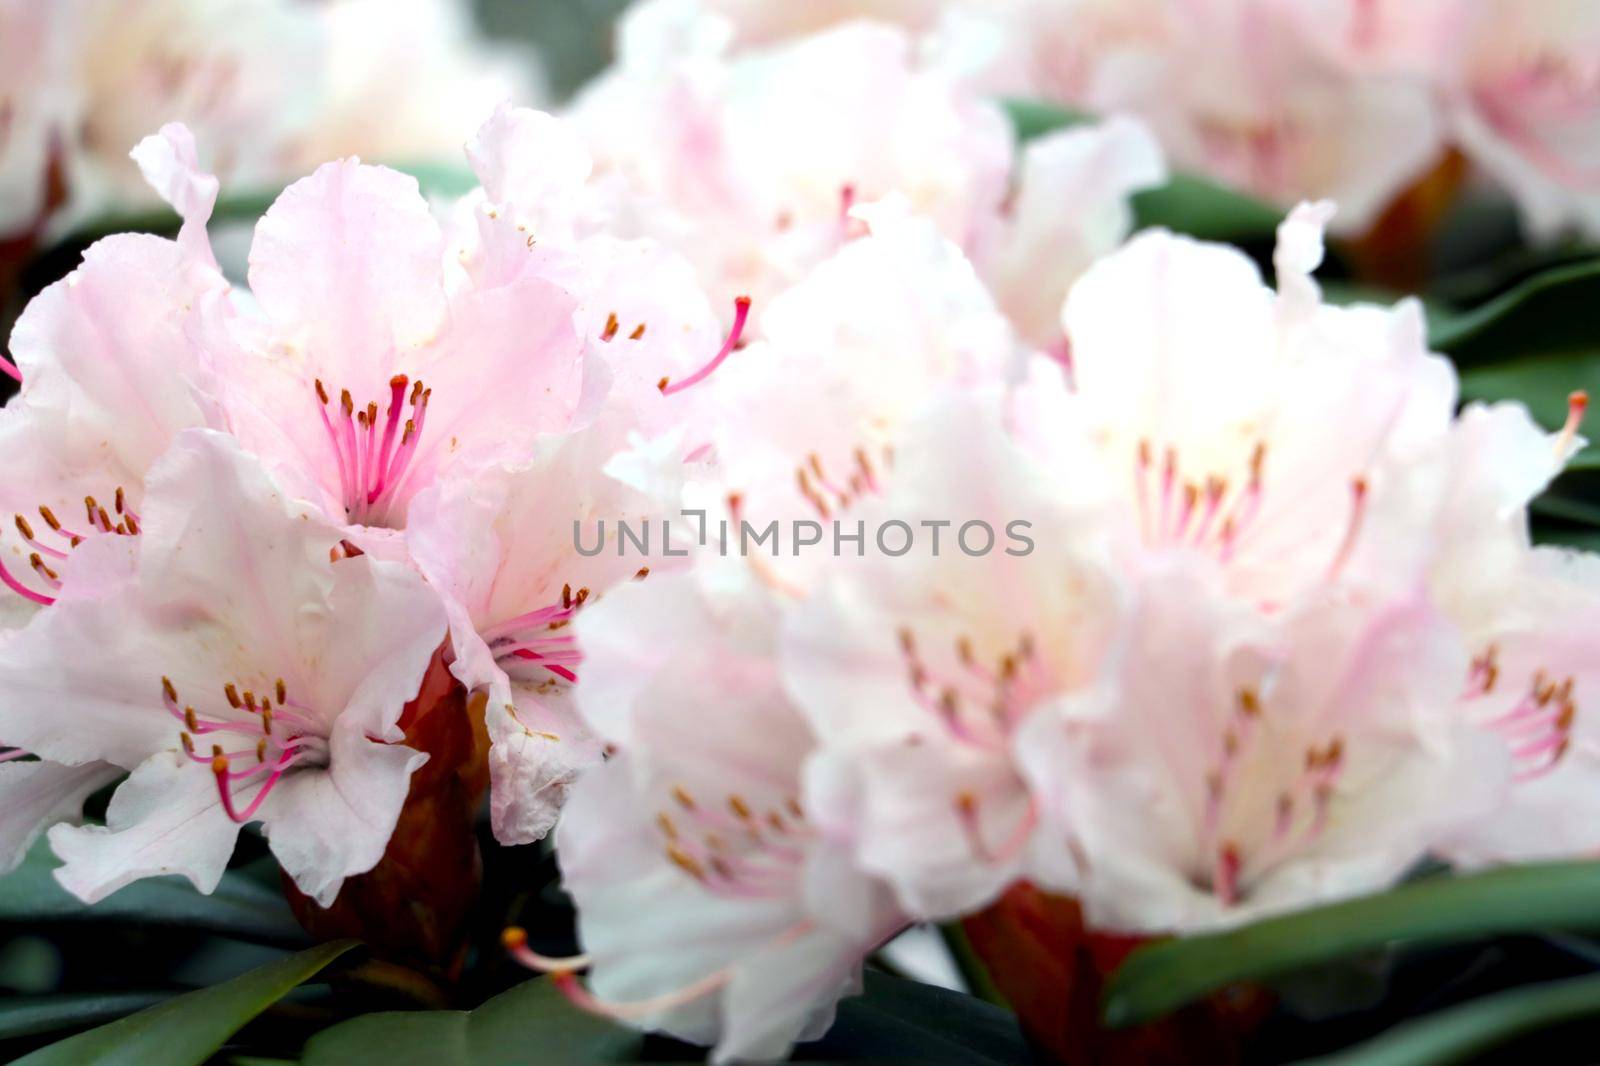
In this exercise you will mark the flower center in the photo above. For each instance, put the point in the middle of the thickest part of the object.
(738, 852)
(55, 541)
(1212, 514)
(540, 639)
(1248, 826)
(286, 734)
(1537, 728)
(372, 469)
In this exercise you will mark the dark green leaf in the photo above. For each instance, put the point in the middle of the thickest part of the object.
(1542, 381)
(904, 1021)
(531, 1022)
(189, 1028)
(1164, 976)
(1458, 1034)
(1551, 312)
(239, 907)
(26, 1015)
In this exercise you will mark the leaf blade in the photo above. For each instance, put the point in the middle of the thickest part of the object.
(187, 1029)
(1163, 976)
(1455, 1034)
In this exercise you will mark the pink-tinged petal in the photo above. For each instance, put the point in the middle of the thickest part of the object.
(1070, 208)
(539, 748)
(1234, 766)
(165, 819)
(326, 825)
(171, 165)
(1532, 687)
(348, 265)
(37, 795)
(532, 160)
(105, 349)
(213, 542)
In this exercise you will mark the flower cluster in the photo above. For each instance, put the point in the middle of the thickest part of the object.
(1355, 100)
(1278, 635)
(271, 88)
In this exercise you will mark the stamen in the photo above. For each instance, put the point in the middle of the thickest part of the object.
(741, 312)
(1358, 511)
(1577, 404)
(9, 369)
(515, 941)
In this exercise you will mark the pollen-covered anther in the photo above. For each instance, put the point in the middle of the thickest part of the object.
(1577, 406)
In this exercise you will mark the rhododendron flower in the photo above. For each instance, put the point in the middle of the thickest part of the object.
(1231, 765)
(1518, 85)
(748, 164)
(365, 376)
(1284, 437)
(272, 87)
(1523, 91)
(238, 672)
(642, 314)
(1239, 91)
(109, 376)
(713, 903)
(918, 670)
(1528, 616)
(804, 423)
(503, 550)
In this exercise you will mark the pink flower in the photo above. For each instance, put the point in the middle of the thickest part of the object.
(516, 552)
(109, 377)
(748, 164)
(918, 670)
(1240, 91)
(366, 373)
(1230, 765)
(713, 903)
(1286, 438)
(1523, 95)
(238, 672)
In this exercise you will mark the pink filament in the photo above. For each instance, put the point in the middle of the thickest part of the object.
(741, 312)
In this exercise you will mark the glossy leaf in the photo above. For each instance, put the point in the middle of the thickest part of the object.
(1462, 1032)
(28, 1015)
(1166, 975)
(905, 1021)
(531, 1022)
(240, 907)
(1552, 312)
(189, 1028)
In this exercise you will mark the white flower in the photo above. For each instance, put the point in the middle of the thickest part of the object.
(238, 672)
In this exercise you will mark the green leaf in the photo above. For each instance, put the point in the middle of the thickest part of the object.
(1460, 1033)
(1543, 382)
(1551, 312)
(895, 1020)
(1035, 118)
(239, 907)
(1204, 209)
(27, 1015)
(532, 1021)
(188, 1029)
(1163, 976)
